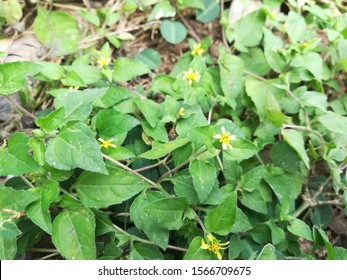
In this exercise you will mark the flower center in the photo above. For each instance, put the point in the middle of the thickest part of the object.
(215, 248)
(225, 138)
(191, 76)
(107, 144)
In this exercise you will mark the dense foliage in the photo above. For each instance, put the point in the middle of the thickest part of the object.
(239, 155)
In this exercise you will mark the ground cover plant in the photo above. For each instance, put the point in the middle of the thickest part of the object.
(174, 130)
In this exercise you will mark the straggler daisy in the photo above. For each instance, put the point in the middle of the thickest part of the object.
(103, 61)
(106, 143)
(191, 76)
(197, 49)
(225, 138)
(214, 245)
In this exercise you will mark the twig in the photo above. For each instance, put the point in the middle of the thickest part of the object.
(254, 75)
(26, 181)
(307, 129)
(157, 186)
(191, 30)
(49, 256)
(20, 107)
(136, 238)
(200, 222)
(181, 165)
(163, 161)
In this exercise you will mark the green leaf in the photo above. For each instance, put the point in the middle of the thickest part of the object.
(162, 10)
(114, 95)
(168, 212)
(251, 180)
(74, 234)
(267, 253)
(272, 44)
(340, 253)
(277, 233)
(57, 30)
(315, 99)
(300, 228)
(158, 132)
(242, 223)
(12, 75)
(231, 71)
(85, 75)
(296, 141)
(150, 226)
(11, 11)
(149, 57)
(313, 62)
(38, 147)
(52, 121)
(113, 124)
(321, 239)
(242, 149)
(141, 251)
(262, 95)
(183, 186)
(78, 104)
(221, 219)
(8, 240)
(204, 176)
(255, 61)
(16, 200)
(195, 252)
(295, 26)
(249, 30)
(98, 190)
(283, 156)
(38, 211)
(90, 17)
(173, 31)
(50, 71)
(209, 13)
(150, 110)
(15, 159)
(164, 149)
(254, 200)
(75, 146)
(334, 122)
(125, 69)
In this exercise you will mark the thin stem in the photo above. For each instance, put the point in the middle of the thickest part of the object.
(197, 218)
(191, 30)
(163, 161)
(181, 165)
(157, 186)
(49, 256)
(68, 193)
(254, 75)
(136, 238)
(26, 181)
(259, 159)
(20, 107)
(42, 250)
(307, 129)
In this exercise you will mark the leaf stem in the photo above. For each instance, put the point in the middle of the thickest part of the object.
(157, 186)
(136, 238)
(181, 165)
(163, 161)
(307, 129)
(200, 222)
(26, 181)
(191, 30)
(20, 107)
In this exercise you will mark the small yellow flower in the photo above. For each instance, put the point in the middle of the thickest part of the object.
(4, 144)
(191, 76)
(305, 44)
(214, 245)
(181, 112)
(197, 49)
(225, 138)
(106, 144)
(73, 88)
(103, 61)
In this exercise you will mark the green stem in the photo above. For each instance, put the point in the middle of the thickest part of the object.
(20, 107)
(26, 181)
(155, 185)
(136, 238)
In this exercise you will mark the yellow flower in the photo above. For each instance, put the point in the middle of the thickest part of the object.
(197, 49)
(181, 112)
(191, 76)
(107, 143)
(73, 88)
(214, 245)
(103, 61)
(225, 138)
(305, 44)
(4, 144)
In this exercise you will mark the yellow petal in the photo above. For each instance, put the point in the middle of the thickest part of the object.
(219, 256)
(204, 245)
